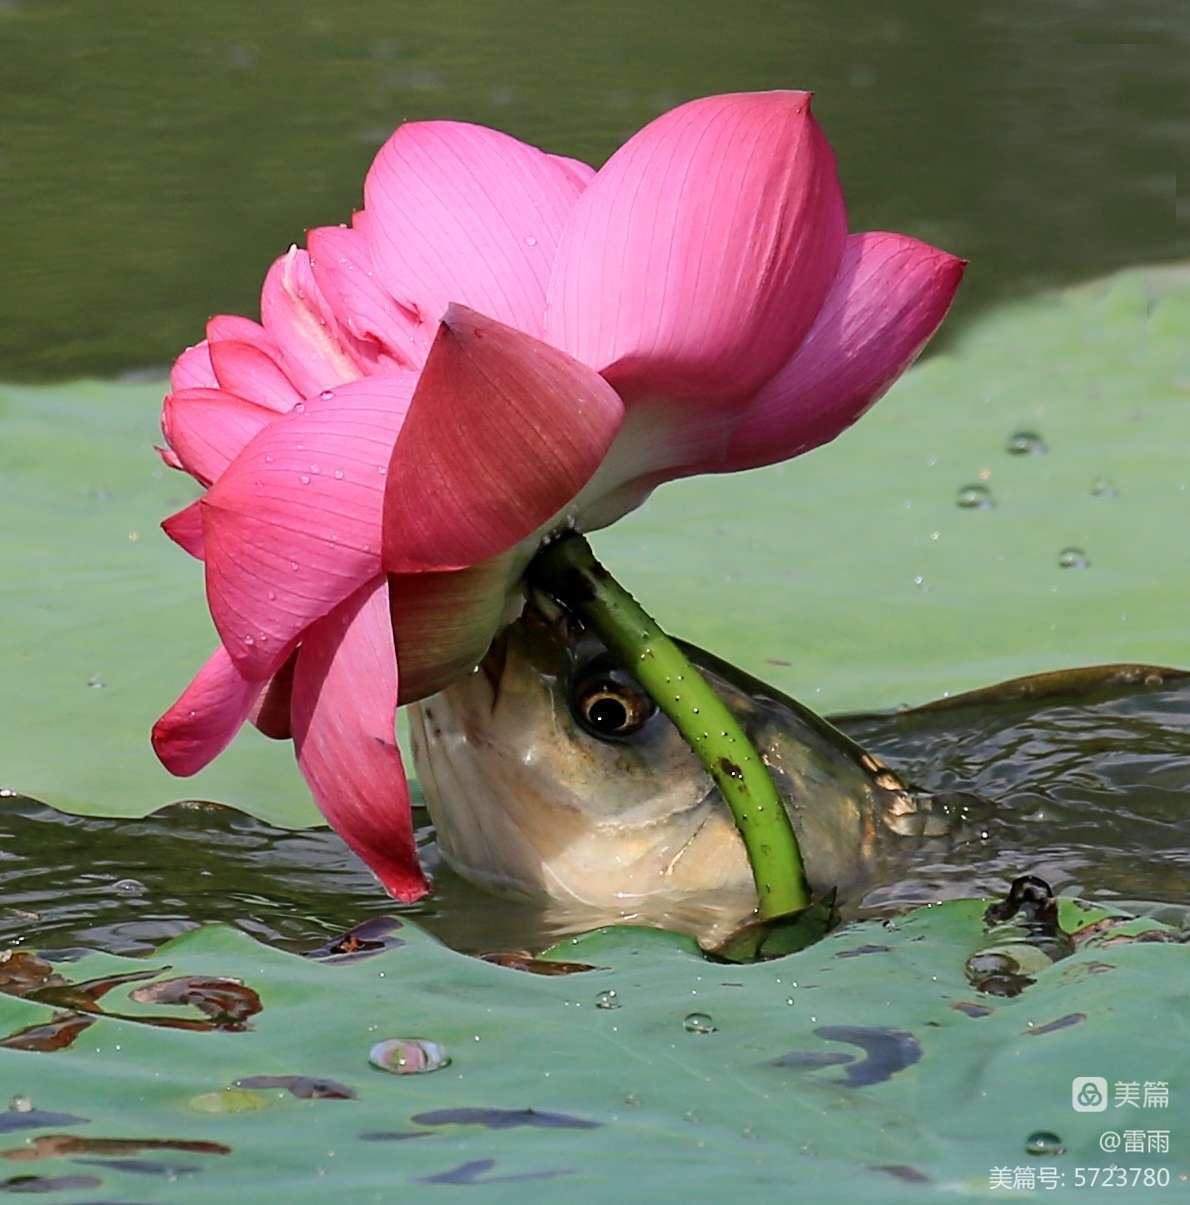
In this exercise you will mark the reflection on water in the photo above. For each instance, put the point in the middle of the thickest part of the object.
(152, 163)
(1089, 795)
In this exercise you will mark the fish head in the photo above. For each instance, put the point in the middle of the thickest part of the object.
(550, 772)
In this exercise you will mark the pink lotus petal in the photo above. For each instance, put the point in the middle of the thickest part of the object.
(699, 256)
(890, 296)
(343, 268)
(271, 715)
(250, 373)
(503, 432)
(169, 457)
(237, 329)
(582, 173)
(293, 526)
(466, 214)
(192, 370)
(445, 622)
(185, 529)
(298, 317)
(207, 428)
(344, 711)
(210, 711)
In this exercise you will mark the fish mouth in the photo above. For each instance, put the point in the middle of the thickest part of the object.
(494, 665)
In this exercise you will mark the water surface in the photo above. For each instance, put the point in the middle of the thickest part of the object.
(1089, 794)
(154, 159)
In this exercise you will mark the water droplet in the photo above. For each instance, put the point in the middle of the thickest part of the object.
(607, 999)
(327, 394)
(632, 1099)
(268, 460)
(338, 474)
(272, 595)
(249, 640)
(919, 582)
(314, 469)
(294, 566)
(21, 1104)
(530, 240)
(408, 1056)
(129, 887)
(305, 480)
(1025, 443)
(133, 536)
(789, 1000)
(975, 497)
(699, 1023)
(1102, 487)
(1073, 558)
(96, 682)
(300, 408)
(1043, 1142)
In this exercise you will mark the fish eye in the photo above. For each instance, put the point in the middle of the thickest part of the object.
(610, 704)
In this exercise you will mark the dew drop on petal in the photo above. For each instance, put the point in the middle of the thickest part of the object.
(607, 999)
(408, 1056)
(305, 479)
(699, 1023)
(326, 395)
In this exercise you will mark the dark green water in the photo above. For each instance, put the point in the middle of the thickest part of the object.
(1086, 792)
(155, 157)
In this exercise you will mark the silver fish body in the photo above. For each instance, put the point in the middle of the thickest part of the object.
(548, 773)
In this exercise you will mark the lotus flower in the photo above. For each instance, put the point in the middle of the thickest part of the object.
(504, 343)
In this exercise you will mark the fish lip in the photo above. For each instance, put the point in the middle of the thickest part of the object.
(494, 665)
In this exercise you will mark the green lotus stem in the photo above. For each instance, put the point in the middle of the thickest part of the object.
(568, 570)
